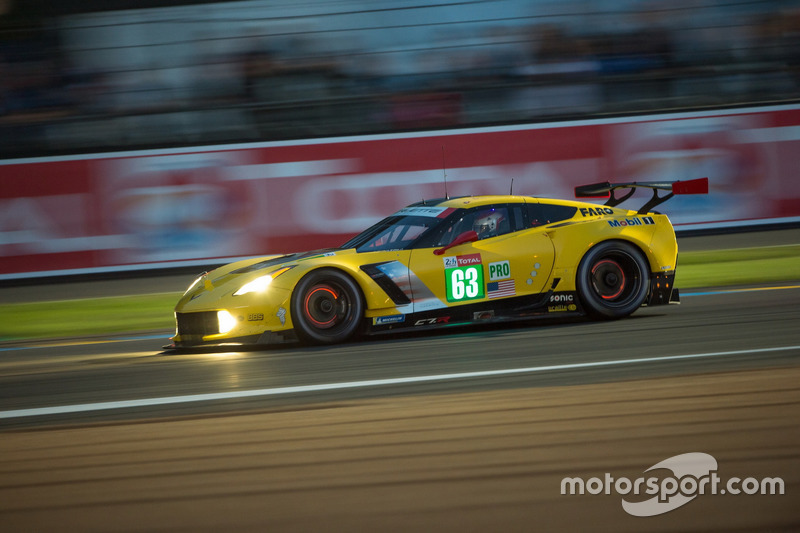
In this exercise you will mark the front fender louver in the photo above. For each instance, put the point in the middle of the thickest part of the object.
(386, 283)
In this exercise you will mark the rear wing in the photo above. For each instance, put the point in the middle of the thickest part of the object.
(606, 190)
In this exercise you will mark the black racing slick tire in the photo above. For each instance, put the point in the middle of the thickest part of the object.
(613, 280)
(327, 307)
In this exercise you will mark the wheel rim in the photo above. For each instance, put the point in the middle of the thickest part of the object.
(609, 279)
(615, 279)
(326, 306)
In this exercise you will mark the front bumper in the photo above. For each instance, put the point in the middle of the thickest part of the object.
(263, 339)
(216, 318)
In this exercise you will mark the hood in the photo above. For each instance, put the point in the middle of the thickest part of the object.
(276, 261)
(229, 278)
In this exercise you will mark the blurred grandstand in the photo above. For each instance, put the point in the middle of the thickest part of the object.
(99, 75)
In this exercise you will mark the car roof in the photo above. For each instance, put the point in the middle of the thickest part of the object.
(465, 202)
(473, 201)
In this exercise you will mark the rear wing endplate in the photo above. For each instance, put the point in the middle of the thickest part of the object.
(606, 190)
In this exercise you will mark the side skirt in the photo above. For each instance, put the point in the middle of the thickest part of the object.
(548, 305)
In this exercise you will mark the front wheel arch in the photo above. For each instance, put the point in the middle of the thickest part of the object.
(613, 279)
(327, 307)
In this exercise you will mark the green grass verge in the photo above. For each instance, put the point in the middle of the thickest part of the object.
(743, 266)
(75, 318)
(70, 318)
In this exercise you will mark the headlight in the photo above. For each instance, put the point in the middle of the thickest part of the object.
(226, 321)
(260, 284)
(257, 285)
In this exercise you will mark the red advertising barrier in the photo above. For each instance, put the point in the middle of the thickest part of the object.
(84, 214)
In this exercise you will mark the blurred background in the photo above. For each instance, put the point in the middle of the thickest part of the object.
(153, 133)
(158, 135)
(103, 75)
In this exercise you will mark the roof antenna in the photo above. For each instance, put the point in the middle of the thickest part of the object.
(511, 189)
(444, 173)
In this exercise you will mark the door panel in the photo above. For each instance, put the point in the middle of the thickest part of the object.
(514, 264)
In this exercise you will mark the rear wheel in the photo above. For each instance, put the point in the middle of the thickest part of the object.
(327, 307)
(613, 279)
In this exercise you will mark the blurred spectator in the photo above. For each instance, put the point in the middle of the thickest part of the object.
(32, 97)
(559, 76)
(259, 66)
(151, 77)
(776, 49)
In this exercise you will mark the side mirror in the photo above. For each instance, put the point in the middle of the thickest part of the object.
(467, 236)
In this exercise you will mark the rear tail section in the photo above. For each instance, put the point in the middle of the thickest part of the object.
(607, 190)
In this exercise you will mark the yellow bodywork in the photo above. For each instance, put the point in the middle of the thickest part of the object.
(536, 257)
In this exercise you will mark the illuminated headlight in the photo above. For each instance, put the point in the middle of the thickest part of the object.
(260, 284)
(257, 285)
(226, 321)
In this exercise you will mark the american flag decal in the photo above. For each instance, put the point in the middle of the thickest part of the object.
(498, 289)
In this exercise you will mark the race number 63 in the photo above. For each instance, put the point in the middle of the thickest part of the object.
(464, 283)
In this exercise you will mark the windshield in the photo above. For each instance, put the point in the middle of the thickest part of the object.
(393, 233)
(399, 231)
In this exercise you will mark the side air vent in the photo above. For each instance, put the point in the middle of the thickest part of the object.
(385, 282)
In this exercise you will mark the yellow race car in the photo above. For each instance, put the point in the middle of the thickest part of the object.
(448, 262)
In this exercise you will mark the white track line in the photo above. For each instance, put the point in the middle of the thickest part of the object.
(146, 402)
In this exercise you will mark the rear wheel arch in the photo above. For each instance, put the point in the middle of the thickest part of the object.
(613, 278)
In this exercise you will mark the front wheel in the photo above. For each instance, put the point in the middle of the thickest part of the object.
(613, 279)
(326, 307)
